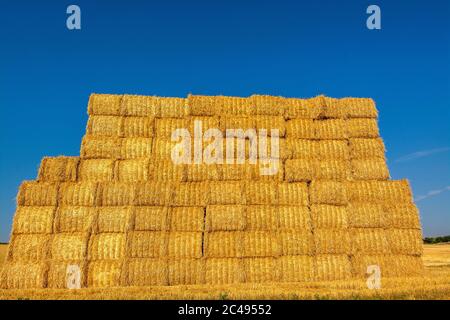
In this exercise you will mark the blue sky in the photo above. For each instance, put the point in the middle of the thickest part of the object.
(173, 48)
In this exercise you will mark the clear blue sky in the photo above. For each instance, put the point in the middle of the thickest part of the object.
(234, 48)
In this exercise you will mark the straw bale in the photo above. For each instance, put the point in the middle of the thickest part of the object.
(334, 108)
(74, 219)
(133, 148)
(34, 220)
(138, 127)
(107, 246)
(329, 216)
(361, 148)
(114, 219)
(362, 128)
(236, 122)
(147, 272)
(292, 193)
(297, 268)
(162, 149)
(270, 123)
(165, 126)
(370, 241)
(360, 107)
(268, 105)
(185, 245)
(330, 129)
(259, 270)
(33, 193)
(141, 106)
(301, 129)
(393, 191)
(206, 123)
(261, 218)
(296, 242)
(226, 192)
(332, 241)
(104, 104)
(259, 244)
(328, 192)
(186, 218)
(117, 193)
(224, 271)
(366, 215)
(166, 170)
(408, 265)
(308, 169)
(186, 271)
(94, 147)
(133, 170)
(173, 107)
(153, 193)
(151, 218)
(96, 170)
(191, 194)
(214, 105)
(319, 149)
(369, 169)
(405, 241)
(145, 244)
(390, 265)
(333, 267)
(223, 244)
(78, 194)
(402, 216)
(245, 171)
(58, 169)
(29, 248)
(225, 218)
(104, 273)
(304, 108)
(260, 192)
(105, 126)
(69, 246)
(58, 275)
(23, 276)
(202, 172)
(293, 217)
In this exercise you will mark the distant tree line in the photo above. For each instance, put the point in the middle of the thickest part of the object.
(432, 240)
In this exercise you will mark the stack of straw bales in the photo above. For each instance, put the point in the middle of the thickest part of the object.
(125, 215)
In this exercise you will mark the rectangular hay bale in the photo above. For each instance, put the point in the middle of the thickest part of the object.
(292, 193)
(58, 169)
(369, 169)
(117, 193)
(223, 244)
(259, 270)
(23, 276)
(333, 267)
(405, 241)
(105, 273)
(147, 272)
(224, 271)
(107, 246)
(70, 219)
(60, 273)
(144, 244)
(366, 215)
(133, 170)
(29, 248)
(35, 194)
(185, 245)
(392, 191)
(105, 126)
(105, 104)
(225, 218)
(95, 147)
(96, 170)
(328, 192)
(296, 242)
(186, 271)
(151, 218)
(114, 219)
(362, 128)
(186, 218)
(329, 216)
(34, 220)
(370, 241)
(69, 246)
(332, 241)
(297, 268)
(363, 148)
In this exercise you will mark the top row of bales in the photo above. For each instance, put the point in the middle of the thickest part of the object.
(319, 107)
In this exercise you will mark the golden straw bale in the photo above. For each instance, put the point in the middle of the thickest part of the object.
(185, 245)
(334, 108)
(361, 148)
(190, 194)
(107, 246)
(361, 262)
(104, 104)
(362, 128)
(34, 220)
(260, 192)
(308, 169)
(293, 217)
(133, 170)
(303, 148)
(236, 122)
(369, 169)
(331, 169)
(204, 105)
(114, 219)
(202, 172)
(94, 147)
(370, 241)
(164, 127)
(166, 170)
(69, 246)
(393, 191)
(58, 275)
(206, 124)
(329, 216)
(259, 244)
(153, 193)
(319, 149)
(270, 123)
(138, 127)
(58, 169)
(304, 108)
(226, 192)
(104, 273)
(296, 268)
(360, 107)
(259, 270)
(141, 106)
(133, 148)
(366, 215)
(405, 241)
(292, 193)
(300, 129)
(332, 241)
(147, 272)
(402, 216)
(29, 248)
(186, 218)
(96, 170)
(330, 129)
(151, 218)
(33, 193)
(296, 242)
(144, 244)
(408, 265)
(328, 192)
(105, 126)
(268, 105)
(225, 218)
(173, 107)
(74, 219)
(333, 267)
(117, 193)
(23, 276)
(162, 149)
(244, 171)
(186, 271)
(261, 218)
(224, 271)
(223, 244)
(235, 106)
